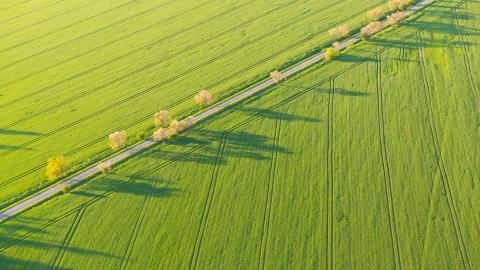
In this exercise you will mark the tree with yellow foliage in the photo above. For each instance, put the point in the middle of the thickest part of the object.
(56, 167)
(329, 54)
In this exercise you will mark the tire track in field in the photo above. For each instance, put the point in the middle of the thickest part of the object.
(388, 45)
(48, 19)
(15, 241)
(31, 11)
(468, 67)
(16, 5)
(122, 56)
(146, 67)
(68, 238)
(136, 229)
(82, 35)
(207, 205)
(329, 190)
(171, 79)
(269, 196)
(397, 263)
(438, 156)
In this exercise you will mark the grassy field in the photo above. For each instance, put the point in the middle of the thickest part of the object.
(368, 162)
(72, 72)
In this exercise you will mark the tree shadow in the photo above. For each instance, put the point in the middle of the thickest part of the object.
(18, 132)
(266, 113)
(201, 146)
(326, 90)
(350, 58)
(22, 236)
(15, 263)
(12, 147)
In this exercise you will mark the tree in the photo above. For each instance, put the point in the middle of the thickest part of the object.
(339, 32)
(160, 134)
(117, 140)
(334, 33)
(395, 18)
(161, 118)
(329, 54)
(104, 167)
(276, 76)
(65, 189)
(375, 14)
(344, 30)
(371, 29)
(179, 126)
(397, 4)
(56, 167)
(203, 98)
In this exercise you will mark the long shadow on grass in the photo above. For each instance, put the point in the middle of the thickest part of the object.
(18, 132)
(338, 91)
(12, 147)
(15, 263)
(13, 241)
(142, 185)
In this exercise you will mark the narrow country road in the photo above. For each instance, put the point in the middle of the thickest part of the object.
(42, 195)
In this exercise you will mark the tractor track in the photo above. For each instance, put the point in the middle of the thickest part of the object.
(136, 229)
(438, 157)
(48, 19)
(269, 196)
(31, 11)
(81, 36)
(386, 168)
(68, 238)
(207, 206)
(329, 234)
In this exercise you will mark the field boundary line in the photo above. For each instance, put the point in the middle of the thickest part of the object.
(270, 190)
(396, 256)
(438, 156)
(47, 192)
(207, 205)
(329, 263)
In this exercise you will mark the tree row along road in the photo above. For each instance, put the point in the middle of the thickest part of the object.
(50, 191)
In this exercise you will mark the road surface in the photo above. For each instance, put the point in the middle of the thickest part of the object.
(41, 196)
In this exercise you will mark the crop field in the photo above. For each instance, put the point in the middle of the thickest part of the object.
(72, 72)
(366, 162)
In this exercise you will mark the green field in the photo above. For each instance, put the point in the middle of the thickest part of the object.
(367, 162)
(72, 72)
